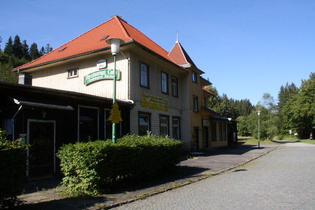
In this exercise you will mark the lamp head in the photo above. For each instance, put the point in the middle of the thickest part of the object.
(258, 112)
(114, 44)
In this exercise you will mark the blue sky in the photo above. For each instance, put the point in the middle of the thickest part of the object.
(245, 47)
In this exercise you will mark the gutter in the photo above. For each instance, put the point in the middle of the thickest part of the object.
(13, 122)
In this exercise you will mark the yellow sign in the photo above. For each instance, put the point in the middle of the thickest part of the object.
(115, 114)
(154, 102)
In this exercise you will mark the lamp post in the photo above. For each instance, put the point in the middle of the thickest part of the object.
(115, 47)
(258, 112)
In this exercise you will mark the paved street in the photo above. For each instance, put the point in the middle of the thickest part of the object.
(282, 179)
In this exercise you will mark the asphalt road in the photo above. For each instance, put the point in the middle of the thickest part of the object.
(282, 179)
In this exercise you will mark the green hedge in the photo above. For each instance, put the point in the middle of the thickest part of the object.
(12, 175)
(92, 167)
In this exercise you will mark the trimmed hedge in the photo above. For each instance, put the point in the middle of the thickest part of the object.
(92, 167)
(12, 175)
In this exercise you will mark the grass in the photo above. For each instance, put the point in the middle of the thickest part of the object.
(252, 141)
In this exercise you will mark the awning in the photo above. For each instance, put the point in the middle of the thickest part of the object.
(43, 105)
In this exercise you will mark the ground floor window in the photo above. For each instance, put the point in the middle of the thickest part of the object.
(164, 128)
(144, 123)
(214, 131)
(88, 124)
(176, 128)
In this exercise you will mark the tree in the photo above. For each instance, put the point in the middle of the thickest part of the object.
(300, 109)
(285, 93)
(17, 49)
(8, 47)
(48, 48)
(25, 50)
(34, 51)
(5, 69)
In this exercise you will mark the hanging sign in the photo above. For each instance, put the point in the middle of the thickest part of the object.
(100, 75)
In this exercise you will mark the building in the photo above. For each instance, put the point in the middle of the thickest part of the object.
(69, 92)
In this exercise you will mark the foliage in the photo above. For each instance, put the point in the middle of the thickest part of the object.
(17, 53)
(12, 164)
(299, 111)
(92, 167)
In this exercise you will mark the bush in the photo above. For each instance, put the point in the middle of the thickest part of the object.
(12, 164)
(92, 167)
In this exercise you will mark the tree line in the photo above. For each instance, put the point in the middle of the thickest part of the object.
(16, 53)
(292, 113)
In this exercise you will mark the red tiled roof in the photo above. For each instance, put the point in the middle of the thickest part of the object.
(94, 40)
(180, 56)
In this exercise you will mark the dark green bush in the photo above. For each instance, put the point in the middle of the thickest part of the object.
(12, 175)
(92, 167)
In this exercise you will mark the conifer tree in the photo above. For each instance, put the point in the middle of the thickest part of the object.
(17, 49)
(8, 47)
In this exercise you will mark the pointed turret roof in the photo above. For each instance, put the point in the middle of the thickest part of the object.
(180, 56)
(94, 41)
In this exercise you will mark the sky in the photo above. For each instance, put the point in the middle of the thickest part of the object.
(244, 47)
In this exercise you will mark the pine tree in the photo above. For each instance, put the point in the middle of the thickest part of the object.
(34, 51)
(17, 49)
(25, 50)
(8, 47)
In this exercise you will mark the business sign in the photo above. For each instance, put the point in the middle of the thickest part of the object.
(101, 75)
(206, 123)
(154, 102)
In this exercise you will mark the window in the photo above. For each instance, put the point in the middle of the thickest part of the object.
(195, 103)
(72, 73)
(164, 82)
(205, 102)
(88, 124)
(144, 123)
(174, 86)
(176, 128)
(194, 76)
(214, 131)
(223, 135)
(164, 129)
(144, 75)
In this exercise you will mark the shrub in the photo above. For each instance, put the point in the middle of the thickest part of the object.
(12, 164)
(92, 167)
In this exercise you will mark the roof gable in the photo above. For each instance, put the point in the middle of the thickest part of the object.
(94, 40)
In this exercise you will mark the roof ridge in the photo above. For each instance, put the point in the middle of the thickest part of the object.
(119, 19)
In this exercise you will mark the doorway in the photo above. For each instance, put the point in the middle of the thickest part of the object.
(41, 155)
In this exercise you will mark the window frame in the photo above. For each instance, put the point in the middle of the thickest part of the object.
(164, 82)
(174, 87)
(194, 76)
(145, 73)
(144, 114)
(195, 103)
(73, 73)
(176, 127)
(167, 125)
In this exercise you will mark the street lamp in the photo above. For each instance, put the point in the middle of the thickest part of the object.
(115, 47)
(258, 112)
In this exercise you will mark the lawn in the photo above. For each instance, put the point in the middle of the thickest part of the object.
(252, 141)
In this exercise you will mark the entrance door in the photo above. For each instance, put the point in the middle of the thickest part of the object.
(41, 155)
(205, 134)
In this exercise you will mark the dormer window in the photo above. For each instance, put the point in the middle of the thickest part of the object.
(194, 76)
(72, 73)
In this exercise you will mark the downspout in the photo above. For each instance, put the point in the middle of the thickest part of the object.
(13, 122)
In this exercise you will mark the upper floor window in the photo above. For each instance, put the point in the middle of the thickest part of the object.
(174, 86)
(195, 103)
(194, 76)
(164, 82)
(144, 75)
(205, 102)
(73, 73)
